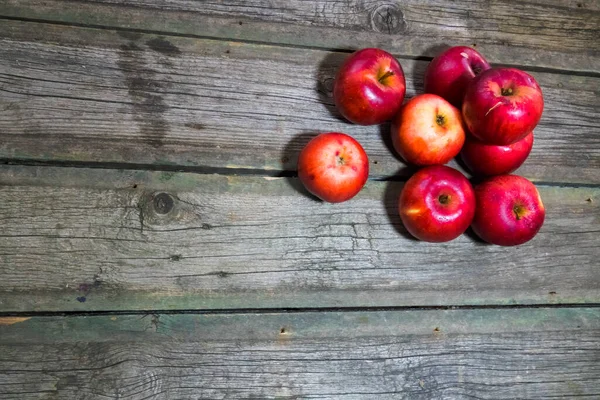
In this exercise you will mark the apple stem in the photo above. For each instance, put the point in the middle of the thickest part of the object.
(386, 75)
(495, 106)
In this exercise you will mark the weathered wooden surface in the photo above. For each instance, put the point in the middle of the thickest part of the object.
(86, 95)
(91, 239)
(459, 354)
(238, 87)
(556, 34)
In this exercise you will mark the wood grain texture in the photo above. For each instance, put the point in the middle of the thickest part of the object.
(459, 354)
(556, 34)
(90, 239)
(75, 94)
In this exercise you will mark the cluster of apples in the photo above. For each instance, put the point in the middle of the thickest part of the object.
(485, 114)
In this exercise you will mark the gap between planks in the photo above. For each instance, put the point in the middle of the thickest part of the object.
(286, 310)
(208, 170)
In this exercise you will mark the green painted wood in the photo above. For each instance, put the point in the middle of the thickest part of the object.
(418, 354)
(92, 239)
(85, 95)
(555, 34)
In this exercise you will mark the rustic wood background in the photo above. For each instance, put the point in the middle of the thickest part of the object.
(156, 243)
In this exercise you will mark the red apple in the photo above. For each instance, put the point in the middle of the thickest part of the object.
(448, 74)
(489, 159)
(437, 204)
(502, 105)
(509, 210)
(369, 87)
(333, 166)
(428, 130)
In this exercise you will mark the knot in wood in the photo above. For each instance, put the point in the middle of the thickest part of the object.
(328, 85)
(163, 203)
(388, 18)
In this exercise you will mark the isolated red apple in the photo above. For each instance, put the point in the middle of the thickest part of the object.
(509, 210)
(437, 204)
(428, 130)
(489, 159)
(502, 105)
(333, 166)
(369, 87)
(449, 73)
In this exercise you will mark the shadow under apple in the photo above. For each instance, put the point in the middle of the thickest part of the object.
(326, 71)
(289, 160)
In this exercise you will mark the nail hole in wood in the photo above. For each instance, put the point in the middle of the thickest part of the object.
(283, 331)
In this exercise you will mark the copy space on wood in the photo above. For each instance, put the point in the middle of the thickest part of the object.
(92, 239)
(419, 354)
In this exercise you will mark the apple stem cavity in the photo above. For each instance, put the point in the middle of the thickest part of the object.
(444, 199)
(383, 77)
(518, 210)
(440, 120)
(506, 91)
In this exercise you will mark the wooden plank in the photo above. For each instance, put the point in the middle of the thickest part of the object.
(484, 354)
(73, 94)
(555, 34)
(92, 239)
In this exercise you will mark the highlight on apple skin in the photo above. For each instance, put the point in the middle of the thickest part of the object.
(502, 105)
(369, 88)
(509, 210)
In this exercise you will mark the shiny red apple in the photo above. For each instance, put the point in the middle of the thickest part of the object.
(509, 210)
(333, 166)
(502, 105)
(428, 130)
(449, 73)
(437, 204)
(488, 159)
(369, 87)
